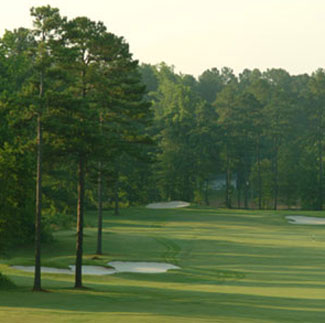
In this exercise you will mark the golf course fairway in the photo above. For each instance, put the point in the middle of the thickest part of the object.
(235, 266)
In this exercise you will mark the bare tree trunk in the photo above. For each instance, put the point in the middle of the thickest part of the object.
(238, 194)
(38, 213)
(259, 175)
(206, 192)
(100, 202)
(276, 178)
(227, 189)
(100, 213)
(116, 198)
(320, 187)
(228, 185)
(38, 202)
(246, 195)
(80, 220)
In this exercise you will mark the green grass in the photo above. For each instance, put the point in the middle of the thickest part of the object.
(236, 266)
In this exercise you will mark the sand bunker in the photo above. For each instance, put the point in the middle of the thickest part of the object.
(300, 219)
(87, 270)
(120, 267)
(94, 270)
(44, 270)
(141, 267)
(168, 205)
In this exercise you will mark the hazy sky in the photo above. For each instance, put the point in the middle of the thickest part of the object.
(195, 35)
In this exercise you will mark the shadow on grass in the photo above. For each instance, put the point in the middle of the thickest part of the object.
(170, 302)
(209, 286)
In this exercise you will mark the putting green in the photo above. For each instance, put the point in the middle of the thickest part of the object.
(235, 266)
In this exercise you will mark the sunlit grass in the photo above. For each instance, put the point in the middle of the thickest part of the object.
(236, 266)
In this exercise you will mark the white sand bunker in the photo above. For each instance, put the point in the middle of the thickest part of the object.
(141, 267)
(119, 267)
(87, 270)
(300, 219)
(168, 205)
(94, 270)
(44, 269)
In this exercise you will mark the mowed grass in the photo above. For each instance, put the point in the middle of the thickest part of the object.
(236, 266)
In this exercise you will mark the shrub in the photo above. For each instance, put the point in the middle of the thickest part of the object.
(5, 282)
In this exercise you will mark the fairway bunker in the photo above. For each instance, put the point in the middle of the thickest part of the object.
(87, 270)
(168, 205)
(49, 270)
(119, 267)
(300, 219)
(141, 267)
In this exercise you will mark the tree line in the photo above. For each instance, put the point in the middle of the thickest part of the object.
(83, 125)
(72, 105)
(263, 132)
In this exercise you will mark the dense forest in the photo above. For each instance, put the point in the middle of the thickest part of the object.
(83, 125)
(260, 133)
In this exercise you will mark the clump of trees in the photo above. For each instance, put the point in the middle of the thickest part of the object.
(72, 104)
(262, 131)
(80, 129)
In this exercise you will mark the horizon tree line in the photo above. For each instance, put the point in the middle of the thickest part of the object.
(91, 128)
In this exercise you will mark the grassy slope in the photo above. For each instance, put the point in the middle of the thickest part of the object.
(237, 266)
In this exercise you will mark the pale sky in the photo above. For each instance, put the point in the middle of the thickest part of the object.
(195, 35)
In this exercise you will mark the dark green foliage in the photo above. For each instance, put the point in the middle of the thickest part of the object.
(263, 133)
(87, 76)
(6, 283)
(16, 157)
(145, 132)
(210, 83)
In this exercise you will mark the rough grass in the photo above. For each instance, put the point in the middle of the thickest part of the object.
(236, 266)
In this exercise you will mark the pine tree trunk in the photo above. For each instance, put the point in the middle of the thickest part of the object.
(228, 183)
(259, 175)
(80, 220)
(238, 194)
(276, 178)
(320, 187)
(116, 197)
(38, 213)
(100, 213)
(246, 195)
(206, 192)
(38, 202)
(227, 188)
